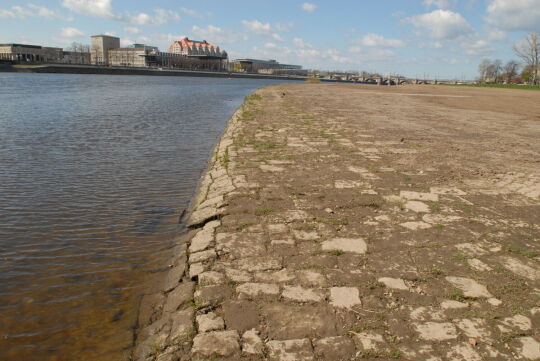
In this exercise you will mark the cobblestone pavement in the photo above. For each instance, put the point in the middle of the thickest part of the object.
(358, 223)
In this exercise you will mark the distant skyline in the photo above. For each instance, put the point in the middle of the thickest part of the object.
(446, 39)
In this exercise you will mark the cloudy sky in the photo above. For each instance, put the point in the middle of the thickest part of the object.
(436, 38)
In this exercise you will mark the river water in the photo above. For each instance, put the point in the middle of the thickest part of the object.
(94, 174)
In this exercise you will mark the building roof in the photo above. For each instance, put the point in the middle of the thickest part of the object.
(23, 45)
(188, 42)
(104, 36)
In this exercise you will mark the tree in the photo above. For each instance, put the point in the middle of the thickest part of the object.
(510, 70)
(484, 69)
(529, 51)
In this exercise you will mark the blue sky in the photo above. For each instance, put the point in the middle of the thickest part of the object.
(436, 38)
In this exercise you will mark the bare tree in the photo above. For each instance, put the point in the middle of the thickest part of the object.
(496, 68)
(510, 70)
(484, 69)
(529, 52)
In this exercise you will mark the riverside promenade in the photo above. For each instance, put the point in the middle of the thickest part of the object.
(346, 222)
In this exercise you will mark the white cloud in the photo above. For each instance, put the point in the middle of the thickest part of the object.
(71, 32)
(132, 30)
(217, 35)
(191, 13)
(31, 10)
(442, 24)
(99, 8)
(103, 9)
(371, 54)
(309, 7)
(441, 4)
(496, 35)
(375, 40)
(520, 15)
(263, 29)
(477, 47)
(300, 43)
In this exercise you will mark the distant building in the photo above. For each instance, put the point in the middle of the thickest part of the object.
(30, 53)
(134, 55)
(210, 57)
(267, 67)
(75, 57)
(143, 46)
(100, 47)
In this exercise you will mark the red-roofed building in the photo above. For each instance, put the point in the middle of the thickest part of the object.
(196, 48)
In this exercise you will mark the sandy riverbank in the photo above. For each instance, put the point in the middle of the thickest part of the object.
(341, 222)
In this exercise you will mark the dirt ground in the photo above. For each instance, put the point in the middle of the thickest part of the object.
(348, 222)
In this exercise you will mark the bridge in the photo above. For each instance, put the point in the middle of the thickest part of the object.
(389, 80)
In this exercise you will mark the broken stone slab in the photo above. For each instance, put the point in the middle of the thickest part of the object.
(210, 322)
(417, 206)
(469, 287)
(151, 345)
(277, 228)
(394, 283)
(202, 240)
(368, 340)
(344, 297)
(436, 331)
(311, 278)
(334, 348)
(271, 168)
(238, 275)
(530, 348)
(173, 277)
(202, 256)
(217, 343)
(353, 245)
(514, 323)
(250, 290)
(292, 321)
(280, 276)
(447, 191)
(216, 202)
(440, 218)
(463, 352)
(196, 269)
(211, 278)
(414, 226)
(305, 235)
(476, 328)
(419, 196)
(260, 264)
(289, 350)
(180, 295)
(300, 294)
(478, 265)
(182, 326)
(201, 216)
(453, 305)
(520, 268)
(252, 343)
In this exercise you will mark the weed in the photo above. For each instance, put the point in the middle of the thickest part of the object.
(336, 252)
(462, 206)
(456, 295)
(461, 256)
(375, 284)
(264, 211)
(225, 159)
(438, 226)
(335, 222)
(243, 225)
(522, 251)
(435, 271)
(155, 348)
(435, 207)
